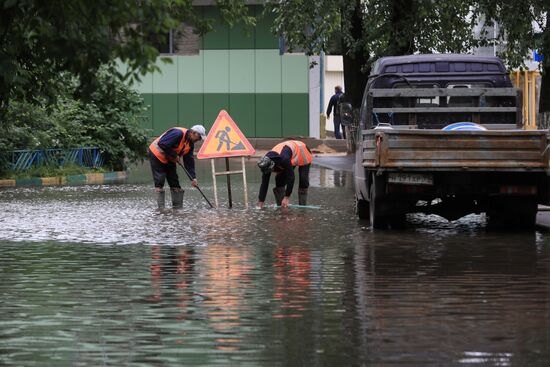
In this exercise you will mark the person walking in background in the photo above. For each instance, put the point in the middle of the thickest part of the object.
(282, 159)
(334, 103)
(164, 152)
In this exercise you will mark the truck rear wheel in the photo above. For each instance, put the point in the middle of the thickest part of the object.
(377, 185)
(397, 221)
(512, 213)
(362, 208)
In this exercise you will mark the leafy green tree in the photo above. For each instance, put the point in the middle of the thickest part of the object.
(41, 38)
(524, 26)
(370, 29)
(60, 86)
(110, 120)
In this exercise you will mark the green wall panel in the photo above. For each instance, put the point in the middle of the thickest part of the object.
(241, 38)
(147, 116)
(218, 38)
(257, 115)
(268, 115)
(213, 103)
(223, 37)
(145, 86)
(216, 71)
(190, 109)
(242, 110)
(264, 39)
(190, 74)
(165, 112)
(295, 74)
(241, 75)
(268, 71)
(166, 80)
(295, 114)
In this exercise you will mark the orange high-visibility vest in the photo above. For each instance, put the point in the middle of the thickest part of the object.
(183, 147)
(300, 154)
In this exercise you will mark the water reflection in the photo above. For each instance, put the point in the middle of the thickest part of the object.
(172, 267)
(223, 284)
(95, 276)
(226, 280)
(291, 278)
(292, 268)
(432, 294)
(323, 177)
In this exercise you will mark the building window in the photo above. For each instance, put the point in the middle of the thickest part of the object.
(163, 42)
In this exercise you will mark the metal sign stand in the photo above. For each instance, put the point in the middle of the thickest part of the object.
(228, 173)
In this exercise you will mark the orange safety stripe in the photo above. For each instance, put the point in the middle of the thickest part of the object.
(182, 149)
(300, 154)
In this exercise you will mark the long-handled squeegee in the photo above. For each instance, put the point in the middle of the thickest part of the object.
(298, 206)
(198, 188)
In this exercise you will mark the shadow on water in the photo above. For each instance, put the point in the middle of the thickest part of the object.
(95, 276)
(454, 293)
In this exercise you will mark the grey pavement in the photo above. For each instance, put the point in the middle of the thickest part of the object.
(345, 163)
(340, 162)
(264, 144)
(338, 145)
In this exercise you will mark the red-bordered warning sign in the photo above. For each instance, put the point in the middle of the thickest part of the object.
(225, 139)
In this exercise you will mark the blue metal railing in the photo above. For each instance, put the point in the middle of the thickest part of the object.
(87, 157)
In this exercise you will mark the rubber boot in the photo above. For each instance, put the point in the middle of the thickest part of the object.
(160, 199)
(302, 196)
(177, 198)
(279, 193)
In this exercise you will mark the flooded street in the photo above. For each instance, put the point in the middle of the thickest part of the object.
(95, 276)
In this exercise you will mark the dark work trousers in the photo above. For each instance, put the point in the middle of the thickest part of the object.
(337, 124)
(162, 172)
(303, 173)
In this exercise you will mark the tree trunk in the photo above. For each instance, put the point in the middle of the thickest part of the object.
(355, 61)
(544, 101)
(403, 14)
(356, 68)
(355, 79)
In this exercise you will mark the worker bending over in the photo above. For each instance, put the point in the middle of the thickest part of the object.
(282, 159)
(164, 153)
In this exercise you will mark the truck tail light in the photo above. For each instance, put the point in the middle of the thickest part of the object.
(518, 190)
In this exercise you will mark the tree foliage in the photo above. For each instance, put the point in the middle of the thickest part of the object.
(370, 29)
(523, 26)
(520, 24)
(110, 120)
(41, 38)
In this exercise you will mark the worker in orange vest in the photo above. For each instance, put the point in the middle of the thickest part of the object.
(165, 151)
(282, 159)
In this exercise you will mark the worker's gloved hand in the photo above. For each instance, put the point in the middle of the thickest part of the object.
(260, 205)
(285, 202)
(194, 183)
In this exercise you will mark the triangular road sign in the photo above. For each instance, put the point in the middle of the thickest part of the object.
(225, 139)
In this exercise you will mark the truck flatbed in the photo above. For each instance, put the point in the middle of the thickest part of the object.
(421, 150)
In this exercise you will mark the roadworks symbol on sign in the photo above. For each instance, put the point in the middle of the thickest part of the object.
(225, 139)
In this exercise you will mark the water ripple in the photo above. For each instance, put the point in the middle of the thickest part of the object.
(94, 276)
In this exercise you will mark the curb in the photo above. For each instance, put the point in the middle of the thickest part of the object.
(84, 179)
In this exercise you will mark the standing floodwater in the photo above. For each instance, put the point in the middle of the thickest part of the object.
(94, 276)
